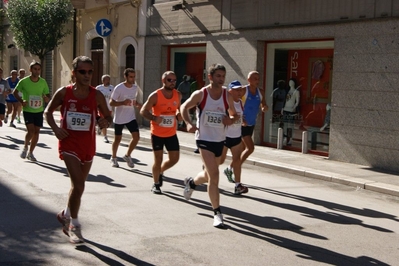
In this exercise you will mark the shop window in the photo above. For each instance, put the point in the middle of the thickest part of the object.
(300, 96)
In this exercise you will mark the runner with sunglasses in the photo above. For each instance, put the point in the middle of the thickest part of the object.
(77, 136)
(162, 108)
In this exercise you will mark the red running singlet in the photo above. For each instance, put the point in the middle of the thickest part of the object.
(78, 117)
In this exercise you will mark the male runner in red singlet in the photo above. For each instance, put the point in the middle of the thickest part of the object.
(77, 137)
(164, 105)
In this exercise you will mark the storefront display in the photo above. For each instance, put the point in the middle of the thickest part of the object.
(302, 82)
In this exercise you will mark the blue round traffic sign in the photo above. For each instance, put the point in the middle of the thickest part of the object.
(103, 27)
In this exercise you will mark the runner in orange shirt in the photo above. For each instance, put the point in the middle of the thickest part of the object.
(162, 108)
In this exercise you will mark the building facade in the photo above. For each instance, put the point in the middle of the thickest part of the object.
(341, 54)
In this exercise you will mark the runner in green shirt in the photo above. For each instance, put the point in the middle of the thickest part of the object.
(35, 93)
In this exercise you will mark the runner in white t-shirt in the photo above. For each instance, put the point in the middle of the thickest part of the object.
(123, 98)
(106, 89)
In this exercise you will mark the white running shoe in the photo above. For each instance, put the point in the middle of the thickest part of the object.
(114, 162)
(75, 234)
(106, 139)
(218, 220)
(129, 161)
(188, 191)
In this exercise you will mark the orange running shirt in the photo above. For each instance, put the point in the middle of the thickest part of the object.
(165, 108)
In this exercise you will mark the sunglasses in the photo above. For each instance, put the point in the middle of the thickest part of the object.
(171, 80)
(84, 72)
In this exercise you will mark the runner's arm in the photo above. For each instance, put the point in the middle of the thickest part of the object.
(191, 102)
(56, 101)
(263, 104)
(145, 110)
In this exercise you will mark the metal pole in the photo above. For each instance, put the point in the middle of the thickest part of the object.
(280, 136)
(304, 142)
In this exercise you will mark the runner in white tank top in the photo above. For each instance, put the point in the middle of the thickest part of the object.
(210, 116)
(233, 141)
(210, 134)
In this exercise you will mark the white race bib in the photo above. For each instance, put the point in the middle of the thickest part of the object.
(132, 98)
(213, 119)
(78, 121)
(167, 121)
(238, 122)
(35, 101)
(1, 88)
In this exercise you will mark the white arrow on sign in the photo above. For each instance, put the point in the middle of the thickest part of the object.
(104, 29)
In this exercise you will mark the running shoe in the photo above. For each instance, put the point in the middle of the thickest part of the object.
(18, 120)
(106, 139)
(12, 125)
(114, 162)
(218, 220)
(240, 189)
(31, 157)
(24, 152)
(160, 180)
(6, 119)
(129, 161)
(98, 130)
(64, 221)
(188, 191)
(156, 189)
(75, 234)
(229, 174)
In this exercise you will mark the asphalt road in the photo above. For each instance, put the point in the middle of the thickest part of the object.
(285, 219)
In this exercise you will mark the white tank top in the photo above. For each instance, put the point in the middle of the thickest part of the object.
(234, 130)
(209, 119)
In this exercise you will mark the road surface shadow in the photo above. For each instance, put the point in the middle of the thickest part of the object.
(120, 254)
(248, 224)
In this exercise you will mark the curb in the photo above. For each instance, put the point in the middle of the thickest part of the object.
(374, 186)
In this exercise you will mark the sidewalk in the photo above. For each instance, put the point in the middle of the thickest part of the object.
(307, 165)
